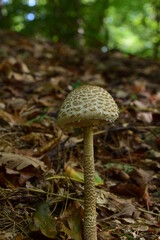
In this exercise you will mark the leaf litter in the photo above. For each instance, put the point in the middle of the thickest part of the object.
(41, 168)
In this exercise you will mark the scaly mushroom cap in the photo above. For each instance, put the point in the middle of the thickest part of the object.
(87, 106)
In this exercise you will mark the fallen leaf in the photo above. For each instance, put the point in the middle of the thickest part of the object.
(127, 210)
(139, 104)
(139, 86)
(154, 154)
(79, 176)
(49, 145)
(17, 169)
(145, 117)
(19, 162)
(44, 222)
(137, 186)
(140, 177)
(7, 117)
(129, 220)
(102, 197)
(21, 77)
(72, 223)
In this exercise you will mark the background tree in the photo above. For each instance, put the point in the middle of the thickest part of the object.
(130, 26)
(95, 32)
(156, 40)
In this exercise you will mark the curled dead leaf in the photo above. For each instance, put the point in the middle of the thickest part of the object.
(137, 186)
(17, 169)
(145, 117)
(7, 117)
(19, 162)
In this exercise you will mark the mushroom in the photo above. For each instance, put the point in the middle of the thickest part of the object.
(84, 108)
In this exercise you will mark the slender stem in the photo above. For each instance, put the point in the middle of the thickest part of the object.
(90, 229)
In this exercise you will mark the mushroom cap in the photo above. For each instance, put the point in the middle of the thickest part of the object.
(87, 106)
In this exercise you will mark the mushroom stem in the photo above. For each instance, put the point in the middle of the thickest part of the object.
(90, 229)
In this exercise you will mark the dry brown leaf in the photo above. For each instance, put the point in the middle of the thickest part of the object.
(127, 210)
(19, 162)
(103, 235)
(23, 67)
(7, 117)
(145, 117)
(21, 77)
(55, 81)
(34, 138)
(157, 97)
(102, 197)
(140, 104)
(137, 186)
(139, 86)
(50, 145)
(140, 177)
(16, 102)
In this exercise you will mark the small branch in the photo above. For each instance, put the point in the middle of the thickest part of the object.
(149, 212)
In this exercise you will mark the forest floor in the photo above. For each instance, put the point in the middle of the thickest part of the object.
(41, 167)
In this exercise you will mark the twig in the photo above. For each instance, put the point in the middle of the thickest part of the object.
(52, 194)
(149, 212)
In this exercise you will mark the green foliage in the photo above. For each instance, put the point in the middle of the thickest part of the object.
(44, 222)
(69, 223)
(130, 26)
(77, 84)
(93, 22)
(125, 167)
(79, 176)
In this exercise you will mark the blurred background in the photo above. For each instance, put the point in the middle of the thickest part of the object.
(132, 27)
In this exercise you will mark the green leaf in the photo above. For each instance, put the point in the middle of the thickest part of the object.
(98, 180)
(79, 176)
(44, 222)
(77, 84)
(71, 222)
(133, 96)
(125, 167)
